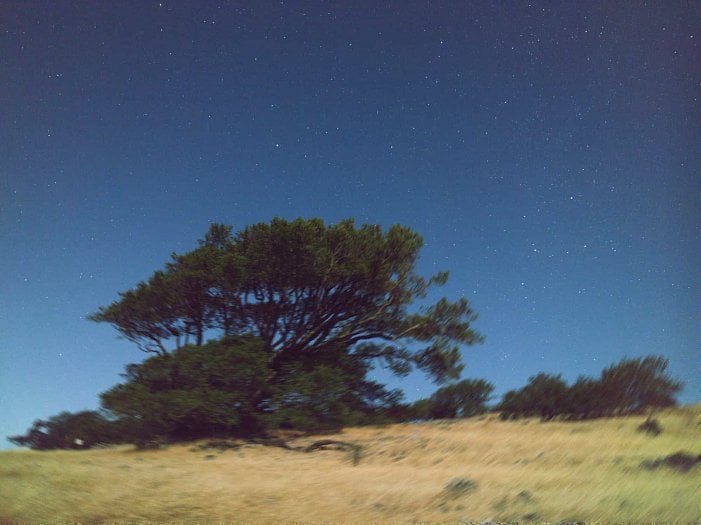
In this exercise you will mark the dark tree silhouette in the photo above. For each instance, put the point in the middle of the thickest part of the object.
(71, 430)
(635, 384)
(630, 386)
(303, 288)
(465, 398)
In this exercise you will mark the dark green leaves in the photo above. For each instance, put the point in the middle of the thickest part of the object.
(195, 391)
(465, 398)
(634, 384)
(71, 430)
(302, 287)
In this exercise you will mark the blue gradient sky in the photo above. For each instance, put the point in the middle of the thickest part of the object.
(547, 152)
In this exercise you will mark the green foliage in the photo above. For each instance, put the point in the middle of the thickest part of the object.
(303, 288)
(314, 400)
(326, 392)
(635, 384)
(465, 398)
(630, 386)
(585, 399)
(229, 387)
(545, 395)
(194, 392)
(146, 315)
(420, 410)
(70, 430)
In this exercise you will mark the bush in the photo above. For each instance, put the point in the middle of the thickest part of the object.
(545, 396)
(635, 384)
(193, 392)
(681, 461)
(650, 426)
(327, 393)
(460, 486)
(71, 430)
(465, 398)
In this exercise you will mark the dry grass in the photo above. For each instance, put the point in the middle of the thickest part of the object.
(524, 471)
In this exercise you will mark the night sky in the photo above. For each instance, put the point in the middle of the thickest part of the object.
(547, 152)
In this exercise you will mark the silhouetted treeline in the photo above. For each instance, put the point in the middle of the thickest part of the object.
(220, 390)
(465, 398)
(85, 429)
(628, 387)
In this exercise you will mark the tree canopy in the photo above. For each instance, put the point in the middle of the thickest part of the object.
(303, 288)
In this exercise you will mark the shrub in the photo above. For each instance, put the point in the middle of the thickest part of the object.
(193, 392)
(465, 398)
(460, 486)
(681, 461)
(650, 426)
(71, 430)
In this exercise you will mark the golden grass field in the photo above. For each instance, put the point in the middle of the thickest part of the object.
(523, 470)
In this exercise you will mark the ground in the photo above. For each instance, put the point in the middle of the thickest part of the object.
(453, 471)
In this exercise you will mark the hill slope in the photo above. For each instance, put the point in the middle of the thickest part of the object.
(470, 470)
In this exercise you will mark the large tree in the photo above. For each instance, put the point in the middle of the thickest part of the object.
(304, 288)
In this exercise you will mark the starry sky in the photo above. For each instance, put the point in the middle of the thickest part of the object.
(548, 152)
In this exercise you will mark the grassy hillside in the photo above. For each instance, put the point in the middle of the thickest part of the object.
(470, 470)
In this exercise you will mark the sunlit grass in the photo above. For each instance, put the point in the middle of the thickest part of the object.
(523, 470)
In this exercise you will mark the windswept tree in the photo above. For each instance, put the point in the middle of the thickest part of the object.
(310, 308)
(636, 384)
(585, 399)
(304, 288)
(465, 398)
(71, 430)
(545, 395)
